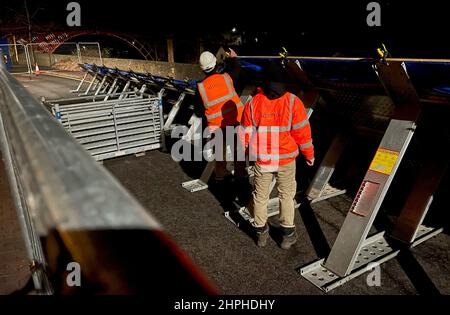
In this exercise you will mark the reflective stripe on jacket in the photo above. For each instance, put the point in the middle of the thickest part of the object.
(222, 104)
(282, 128)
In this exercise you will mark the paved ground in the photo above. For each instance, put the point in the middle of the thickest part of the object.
(48, 86)
(14, 265)
(228, 255)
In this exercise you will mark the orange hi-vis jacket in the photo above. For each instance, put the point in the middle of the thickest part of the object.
(276, 129)
(223, 106)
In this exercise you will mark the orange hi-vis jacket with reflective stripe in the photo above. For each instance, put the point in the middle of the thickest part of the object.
(223, 106)
(276, 129)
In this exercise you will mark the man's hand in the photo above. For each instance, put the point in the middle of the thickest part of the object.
(310, 162)
(231, 53)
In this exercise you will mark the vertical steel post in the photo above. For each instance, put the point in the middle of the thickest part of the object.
(81, 83)
(326, 169)
(90, 85)
(125, 90)
(100, 86)
(161, 118)
(173, 112)
(420, 199)
(382, 170)
(115, 126)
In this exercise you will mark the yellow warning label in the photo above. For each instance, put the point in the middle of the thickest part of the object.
(384, 161)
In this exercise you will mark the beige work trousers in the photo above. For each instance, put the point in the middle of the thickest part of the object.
(287, 187)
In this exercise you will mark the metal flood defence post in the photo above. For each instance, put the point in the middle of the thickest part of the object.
(408, 228)
(320, 189)
(352, 250)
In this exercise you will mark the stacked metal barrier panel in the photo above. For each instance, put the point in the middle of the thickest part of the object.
(114, 128)
(120, 112)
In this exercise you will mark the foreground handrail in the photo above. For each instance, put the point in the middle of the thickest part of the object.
(81, 213)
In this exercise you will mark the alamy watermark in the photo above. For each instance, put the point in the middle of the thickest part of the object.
(226, 144)
(73, 279)
(374, 17)
(74, 17)
(374, 277)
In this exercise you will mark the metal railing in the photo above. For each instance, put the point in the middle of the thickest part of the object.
(16, 54)
(25, 55)
(60, 190)
(76, 45)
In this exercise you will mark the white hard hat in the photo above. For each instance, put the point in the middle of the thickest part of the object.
(207, 61)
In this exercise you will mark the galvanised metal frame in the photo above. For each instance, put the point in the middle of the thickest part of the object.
(88, 72)
(92, 84)
(81, 83)
(101, 83)
(113, 128)
(89, 99)
(105, 84)
(353, 251)
(104, 90)
(81, 101)
(136, 80)
(173, 112)
(112, 124)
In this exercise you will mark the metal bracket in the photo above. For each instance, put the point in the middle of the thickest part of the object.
(244, 212)
(173, 112)
(202, 182)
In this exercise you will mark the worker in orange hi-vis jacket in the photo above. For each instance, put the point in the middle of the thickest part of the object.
(221, 105)
(277, 130)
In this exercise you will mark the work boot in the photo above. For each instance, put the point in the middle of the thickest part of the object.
(289, 237)
(262, 235)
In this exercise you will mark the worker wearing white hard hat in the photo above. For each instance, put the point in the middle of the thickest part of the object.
(220, 103)
(207, 61)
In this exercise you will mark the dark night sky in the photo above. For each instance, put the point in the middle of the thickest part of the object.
(409, 28)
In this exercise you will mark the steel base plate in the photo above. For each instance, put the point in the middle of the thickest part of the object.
(272, 210)
(425, 233)
(375, 250)
(194, 185)
(329, 192)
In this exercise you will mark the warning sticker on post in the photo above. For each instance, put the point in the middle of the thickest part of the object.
(384, 161)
